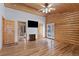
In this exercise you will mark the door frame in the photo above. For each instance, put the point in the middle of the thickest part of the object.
(18, 27)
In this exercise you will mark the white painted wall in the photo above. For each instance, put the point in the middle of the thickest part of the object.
(16, 15)
(43, 22)
(1, 14)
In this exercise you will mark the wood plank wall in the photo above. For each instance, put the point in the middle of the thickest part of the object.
(66, 29)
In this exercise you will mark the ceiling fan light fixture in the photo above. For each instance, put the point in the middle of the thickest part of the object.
(47, 8)
(43, 11)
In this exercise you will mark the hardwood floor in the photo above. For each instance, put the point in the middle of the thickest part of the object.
(41, 47)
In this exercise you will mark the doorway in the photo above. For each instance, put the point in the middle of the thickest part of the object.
(8, 32)
(51, 31)
(21, 30)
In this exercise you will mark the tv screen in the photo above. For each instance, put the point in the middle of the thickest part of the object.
(32, 24)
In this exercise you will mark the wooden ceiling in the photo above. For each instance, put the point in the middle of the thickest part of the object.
(35, 7)
(24, 7)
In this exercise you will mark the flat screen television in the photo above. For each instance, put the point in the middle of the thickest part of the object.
(33, 24)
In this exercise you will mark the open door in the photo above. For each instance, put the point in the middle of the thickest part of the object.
(8, 32)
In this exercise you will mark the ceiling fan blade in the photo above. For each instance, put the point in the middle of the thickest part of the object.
(50, 5)
(41, 10)
(52, 8)
(42, 5)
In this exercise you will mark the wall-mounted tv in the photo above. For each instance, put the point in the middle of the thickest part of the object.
(33, 24)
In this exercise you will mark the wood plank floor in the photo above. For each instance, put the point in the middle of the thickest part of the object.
(41, 47)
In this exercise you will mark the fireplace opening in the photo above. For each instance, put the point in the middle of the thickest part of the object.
(32, 37)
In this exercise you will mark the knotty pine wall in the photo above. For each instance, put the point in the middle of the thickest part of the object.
(66, 29)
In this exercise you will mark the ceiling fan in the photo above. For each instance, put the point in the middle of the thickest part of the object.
(47, 8)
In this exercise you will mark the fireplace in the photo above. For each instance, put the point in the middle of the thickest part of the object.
(32, 37)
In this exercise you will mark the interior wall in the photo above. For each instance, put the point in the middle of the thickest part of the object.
(17, 15)
(66, 27)
(1, 14)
